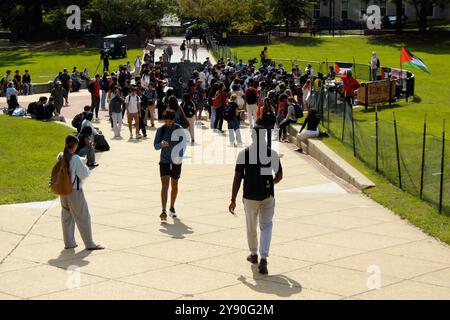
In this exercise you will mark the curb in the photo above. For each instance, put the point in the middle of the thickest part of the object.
(327, 157)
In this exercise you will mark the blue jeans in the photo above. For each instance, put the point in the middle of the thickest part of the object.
(374, 74)
(218, 122)
(103, 103)
(234, 130)
(283, 127)
(213, 116)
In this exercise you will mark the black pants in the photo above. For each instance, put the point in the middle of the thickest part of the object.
(95, 104)
(283, 127)
(218, 122)
(161, 109)
(141, 122)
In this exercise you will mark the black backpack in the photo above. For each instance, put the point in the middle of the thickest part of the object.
(251, 96)
(229, 113)
(77, 121)
(189, 109)
(91, 87)
(268, 119)
(298, 111)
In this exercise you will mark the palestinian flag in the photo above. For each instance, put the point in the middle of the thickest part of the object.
(341, 67)
(408, 59)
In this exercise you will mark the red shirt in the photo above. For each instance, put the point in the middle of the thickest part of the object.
(350, 85)
(282, 108)
(96, 89)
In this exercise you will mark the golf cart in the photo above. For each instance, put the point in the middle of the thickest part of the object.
(115, 46)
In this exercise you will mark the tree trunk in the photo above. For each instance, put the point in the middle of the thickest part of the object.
(423, 19)
(399, 7)
(287, 26)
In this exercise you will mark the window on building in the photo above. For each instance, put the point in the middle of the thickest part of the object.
(344, 10)
(430, 9)
(363, 8)
(317, 10)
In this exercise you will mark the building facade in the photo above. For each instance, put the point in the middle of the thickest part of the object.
(355, 10)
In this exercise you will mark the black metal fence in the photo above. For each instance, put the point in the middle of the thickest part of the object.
(416, 162)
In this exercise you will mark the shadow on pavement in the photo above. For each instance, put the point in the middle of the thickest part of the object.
(278, 285)
(177, 230)
(69, 258)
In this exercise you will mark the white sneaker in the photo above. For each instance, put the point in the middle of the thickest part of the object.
(172, 213)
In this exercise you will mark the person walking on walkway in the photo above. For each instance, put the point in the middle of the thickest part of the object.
(133, 107)
(115, 108)
(258, 197)
(169, 51)
(251, 99)
(183, 50)
(171, 140)
(232, 117)
(94, 89)
(59, 93)
(74, 208)
(195, 51)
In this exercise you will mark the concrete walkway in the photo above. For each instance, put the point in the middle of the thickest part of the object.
(329, 242)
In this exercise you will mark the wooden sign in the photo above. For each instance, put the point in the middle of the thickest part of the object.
(377, 92)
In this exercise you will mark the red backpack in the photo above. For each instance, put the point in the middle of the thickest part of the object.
(217, 101)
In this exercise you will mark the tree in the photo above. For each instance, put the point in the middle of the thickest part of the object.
(398, 11)
(221, 15)
(422, 10)
(290, 11)
(125, 15)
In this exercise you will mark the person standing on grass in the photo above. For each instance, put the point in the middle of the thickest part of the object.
(105, 58)
(195, 51)
(116, 106)
(171, 140)
(74, 208)
(259, 202)
(133, 107)
(59, 93)
(94, 89)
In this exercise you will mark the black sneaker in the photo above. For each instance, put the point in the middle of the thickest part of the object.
(163, 216)
(173, 213)
(253, 258)
(263, 267)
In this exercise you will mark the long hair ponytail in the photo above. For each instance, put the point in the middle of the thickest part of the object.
(67, 155)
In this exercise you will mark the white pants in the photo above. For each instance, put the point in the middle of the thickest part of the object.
(252, 109)
(191, 128)
(117, 123)
(74, 210)
(264, 210)
(305, 135)
(183, 57)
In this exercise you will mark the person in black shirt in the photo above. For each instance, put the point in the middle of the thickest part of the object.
(256, 165)
(26, 81)
(86, 147)
(311, 123)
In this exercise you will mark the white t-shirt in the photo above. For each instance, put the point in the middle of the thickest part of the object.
(132, 103)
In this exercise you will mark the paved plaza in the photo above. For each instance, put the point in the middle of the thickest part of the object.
(329, 240)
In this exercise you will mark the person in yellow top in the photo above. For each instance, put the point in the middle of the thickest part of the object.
(318, 83)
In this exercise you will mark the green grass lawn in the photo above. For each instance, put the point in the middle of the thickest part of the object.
(28, 150)
(432, 90)
(45, 65)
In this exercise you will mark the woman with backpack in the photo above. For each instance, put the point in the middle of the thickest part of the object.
(188, 107)
(74, 208)
(231, 115)
(267, 119)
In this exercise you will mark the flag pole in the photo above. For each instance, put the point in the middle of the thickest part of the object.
(401, 71)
